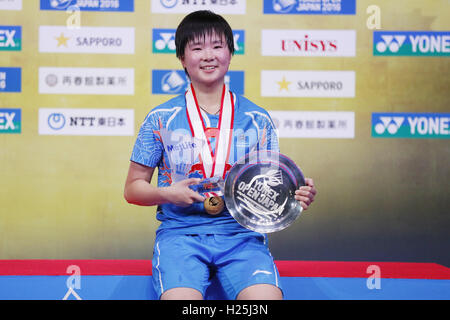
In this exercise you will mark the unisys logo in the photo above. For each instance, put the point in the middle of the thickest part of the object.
(331, 43)
(306, 44)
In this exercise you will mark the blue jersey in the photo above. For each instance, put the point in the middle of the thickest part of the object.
(252, 129)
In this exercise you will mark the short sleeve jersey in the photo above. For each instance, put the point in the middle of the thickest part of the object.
(252, 129)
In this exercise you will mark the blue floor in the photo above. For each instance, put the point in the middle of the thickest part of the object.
(295, 288)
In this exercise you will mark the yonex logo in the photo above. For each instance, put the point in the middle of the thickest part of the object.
(10, 38)
(167, 41)
(164, 41)
(239, 41)
(411, 125)
(411, 43)
(10, 120)
(6, 121)
(389, 124)
(391, 43)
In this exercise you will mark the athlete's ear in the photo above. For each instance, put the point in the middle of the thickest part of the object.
(187, 73)
(184, 67)
(183, 63)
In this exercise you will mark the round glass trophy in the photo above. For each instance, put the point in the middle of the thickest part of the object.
(259, 191)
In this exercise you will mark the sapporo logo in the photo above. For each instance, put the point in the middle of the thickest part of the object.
(411, 125)
(110, 40)
(293, 83)
(411, 43)
(10, 38)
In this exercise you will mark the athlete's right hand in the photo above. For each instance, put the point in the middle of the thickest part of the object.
(181, 195)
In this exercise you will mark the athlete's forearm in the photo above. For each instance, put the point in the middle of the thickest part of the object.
(142, 193)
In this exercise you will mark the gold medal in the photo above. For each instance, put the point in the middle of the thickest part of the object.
(214, 205)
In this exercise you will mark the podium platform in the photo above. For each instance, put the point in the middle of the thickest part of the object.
(301, 280)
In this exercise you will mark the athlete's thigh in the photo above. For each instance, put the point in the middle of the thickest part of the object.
(246, 262)
(179, 262)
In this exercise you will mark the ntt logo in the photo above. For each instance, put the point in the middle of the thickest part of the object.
(169, 3)
(56, 121)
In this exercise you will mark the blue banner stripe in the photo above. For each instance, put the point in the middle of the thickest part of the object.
(10, 79)
(100, 5)
(324, 7)
(176, 81)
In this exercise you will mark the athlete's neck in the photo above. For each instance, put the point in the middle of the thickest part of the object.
(209, 98)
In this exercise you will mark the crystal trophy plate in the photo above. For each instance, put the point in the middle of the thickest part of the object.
(259, 191)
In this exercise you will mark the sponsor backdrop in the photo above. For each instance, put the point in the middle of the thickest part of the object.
(359, 92)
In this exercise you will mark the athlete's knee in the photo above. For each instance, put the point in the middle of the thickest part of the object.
(261, 292)
(182, 294)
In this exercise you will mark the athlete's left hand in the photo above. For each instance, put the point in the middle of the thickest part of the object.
(306, 194)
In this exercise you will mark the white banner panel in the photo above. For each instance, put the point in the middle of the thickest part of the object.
(10, 4)
(107, 40)
(314, 124)
(86, 122)
(179, 6)
(309, 43)
(54, 80)
(315, 84)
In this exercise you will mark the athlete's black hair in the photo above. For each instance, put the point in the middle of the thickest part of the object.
(199, 24)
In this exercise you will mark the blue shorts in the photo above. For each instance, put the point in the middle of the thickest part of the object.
(236, 260)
